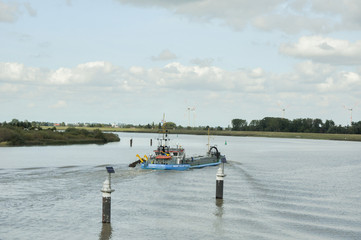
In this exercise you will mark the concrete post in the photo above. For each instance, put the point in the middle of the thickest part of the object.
(219, 181)
(106, 190)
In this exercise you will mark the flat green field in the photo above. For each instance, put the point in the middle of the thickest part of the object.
(324, 136)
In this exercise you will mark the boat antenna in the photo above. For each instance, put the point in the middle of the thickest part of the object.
(208, 141)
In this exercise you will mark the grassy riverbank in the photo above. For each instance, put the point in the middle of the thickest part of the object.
(324, 136)
(16, 136)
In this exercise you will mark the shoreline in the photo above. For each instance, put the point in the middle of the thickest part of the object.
(296, 135)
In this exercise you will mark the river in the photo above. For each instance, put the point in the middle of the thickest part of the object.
(274, 189)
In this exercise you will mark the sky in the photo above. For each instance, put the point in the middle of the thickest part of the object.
(200, 62)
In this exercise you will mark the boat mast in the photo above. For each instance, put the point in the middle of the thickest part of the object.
(163, 130)
(164, 133)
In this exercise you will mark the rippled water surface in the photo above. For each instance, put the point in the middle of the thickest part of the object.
(274, 189)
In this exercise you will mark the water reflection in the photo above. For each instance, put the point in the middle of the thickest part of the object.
(219, 209)
(219, 204)
(218, 222)
(106, 232)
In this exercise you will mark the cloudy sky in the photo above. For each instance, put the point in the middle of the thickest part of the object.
(130, 61)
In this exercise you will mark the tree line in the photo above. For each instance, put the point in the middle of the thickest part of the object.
(306, 125)
(269, 124)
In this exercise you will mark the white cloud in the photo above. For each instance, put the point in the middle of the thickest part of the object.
(310, 71)
(107, 77)
(312, 83)
(325, 49)
(347, 82)
(137, 70)
(164, 56)
(61, 76)
(59, 104)
(104, 84)
(19, 72)
(83, 73)
(9, 88)
(175, 76)
(350, 81)
(286, 15)
(292, 24)
(9, 12)
(203, 62)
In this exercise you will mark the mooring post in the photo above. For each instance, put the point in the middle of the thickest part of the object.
(151, 142)
(219, 181)
(131, 142)
(107, 190)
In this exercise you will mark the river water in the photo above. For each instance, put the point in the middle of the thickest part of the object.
(274, 189)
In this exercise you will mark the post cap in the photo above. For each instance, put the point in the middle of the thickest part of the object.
(106, 187)
(220, 172)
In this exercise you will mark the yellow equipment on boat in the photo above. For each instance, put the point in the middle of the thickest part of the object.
(142, 159)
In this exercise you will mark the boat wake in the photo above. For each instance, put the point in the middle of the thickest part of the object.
(298, 210)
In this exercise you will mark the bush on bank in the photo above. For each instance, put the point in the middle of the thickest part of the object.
(19, 136)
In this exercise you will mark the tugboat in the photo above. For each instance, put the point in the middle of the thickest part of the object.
(174, 158)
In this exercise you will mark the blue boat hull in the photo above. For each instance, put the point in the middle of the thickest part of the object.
(206, 165)
(178, 167)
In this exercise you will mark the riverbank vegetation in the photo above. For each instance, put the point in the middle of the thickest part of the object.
(300, 125)
(305, 128)
(267, 124)
(35, 135)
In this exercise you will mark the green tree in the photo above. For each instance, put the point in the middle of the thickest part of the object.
(14, 122)
(317, 125)
(255, 125)
(238, 124)
(329, 124)
(169, 125)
